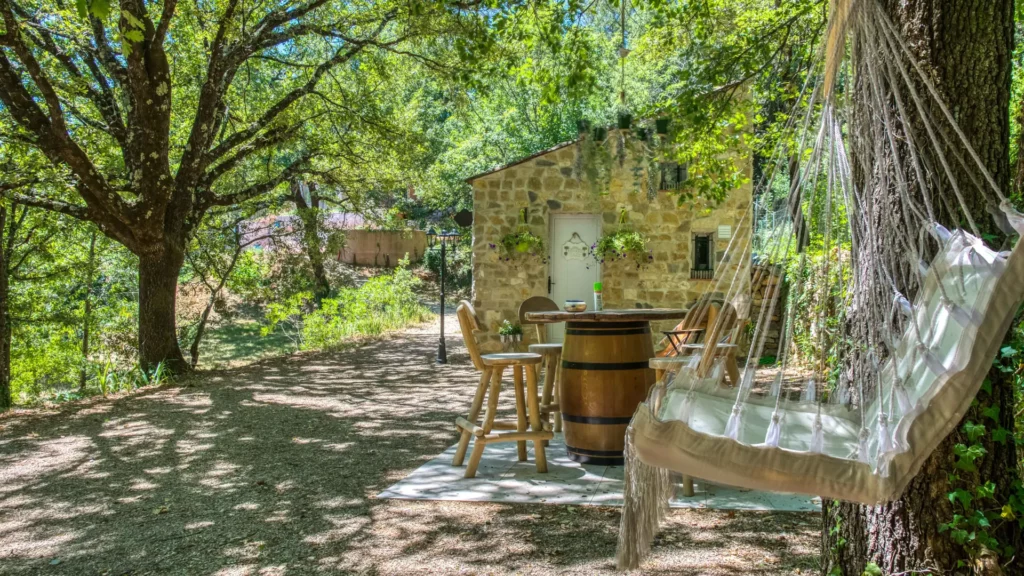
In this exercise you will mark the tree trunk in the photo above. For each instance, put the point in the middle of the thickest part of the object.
(5, 320)
(967, 46)
(309, 213)
(158, 290)
(87, 313)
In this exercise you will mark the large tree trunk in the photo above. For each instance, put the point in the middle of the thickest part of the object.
(966, 45)
(158, 290)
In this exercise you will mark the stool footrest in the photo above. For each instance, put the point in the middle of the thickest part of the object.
(512, 436)
(479, 431)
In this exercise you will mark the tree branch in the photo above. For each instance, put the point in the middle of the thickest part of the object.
(255, 190)
(73, 210)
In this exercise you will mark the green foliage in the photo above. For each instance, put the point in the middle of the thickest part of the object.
(509, 329)
(978, 511)
(384, 303)
(872, 569)
(838, 542)
(458, 270)
(522, 243)
(252, 277)
(622, 245)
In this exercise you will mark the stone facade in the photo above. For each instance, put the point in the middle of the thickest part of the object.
(544, 184)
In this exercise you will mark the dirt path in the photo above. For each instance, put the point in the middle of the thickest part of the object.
(273, 470)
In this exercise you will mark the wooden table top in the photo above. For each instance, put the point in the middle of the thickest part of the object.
(634, 315)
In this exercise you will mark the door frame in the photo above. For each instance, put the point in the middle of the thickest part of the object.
(552, 216)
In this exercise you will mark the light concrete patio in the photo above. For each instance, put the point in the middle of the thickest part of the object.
(501, 478)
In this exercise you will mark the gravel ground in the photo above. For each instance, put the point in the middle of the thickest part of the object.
(273, 469)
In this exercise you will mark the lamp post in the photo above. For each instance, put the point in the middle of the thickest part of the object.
(443, 238)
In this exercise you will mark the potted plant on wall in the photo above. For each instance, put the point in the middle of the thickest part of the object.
(624, 244)
(521, 243)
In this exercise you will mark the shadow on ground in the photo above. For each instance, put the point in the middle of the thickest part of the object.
(273, 469)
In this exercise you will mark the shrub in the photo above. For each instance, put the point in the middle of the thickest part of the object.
(384, 303)
(458, 272)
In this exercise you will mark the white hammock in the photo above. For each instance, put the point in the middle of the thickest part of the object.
(914, 377)
(941, 377)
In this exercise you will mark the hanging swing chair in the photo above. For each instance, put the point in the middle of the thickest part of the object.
(862, 433)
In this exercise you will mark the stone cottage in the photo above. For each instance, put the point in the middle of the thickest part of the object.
(687, 242)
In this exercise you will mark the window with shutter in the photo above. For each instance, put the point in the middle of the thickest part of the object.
(703, 265)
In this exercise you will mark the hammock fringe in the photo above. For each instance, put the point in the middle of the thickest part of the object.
(646, 493)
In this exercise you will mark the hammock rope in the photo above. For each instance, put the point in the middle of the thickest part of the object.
(923, 321)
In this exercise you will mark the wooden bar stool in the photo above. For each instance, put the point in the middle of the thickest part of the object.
(549, 402)
(492, 366)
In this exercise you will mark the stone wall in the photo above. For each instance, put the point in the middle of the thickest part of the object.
(383, 247)
(761, 293)
(544, 185)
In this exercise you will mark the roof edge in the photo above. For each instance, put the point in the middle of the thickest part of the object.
(521, 160)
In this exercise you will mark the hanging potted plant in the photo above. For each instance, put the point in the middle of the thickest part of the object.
(661, 124)
(624, 244)
(510, 333)
(625, 120)
(594, 162)
(521, 243)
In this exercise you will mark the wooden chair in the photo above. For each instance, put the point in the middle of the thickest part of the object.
(692, 327)
(492, 366)
(721, 341)
(552, 353)
(722, 328)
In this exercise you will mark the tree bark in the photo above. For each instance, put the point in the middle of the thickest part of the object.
(5, 320)
(158, 291)
(312, 243)
(966, 45)
(87, 313)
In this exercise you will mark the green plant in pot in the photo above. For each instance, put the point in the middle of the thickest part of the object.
(624, 244)
(520, 244)
(510, 333)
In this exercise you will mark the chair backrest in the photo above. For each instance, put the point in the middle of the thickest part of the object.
(701, 315)
(537, 304)
(723, 330)
(469, 322)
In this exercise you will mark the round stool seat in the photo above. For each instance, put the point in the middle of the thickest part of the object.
(546, 349)
(511, 359)
(671, 362)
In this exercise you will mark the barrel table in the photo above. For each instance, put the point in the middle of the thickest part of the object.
(605, 375)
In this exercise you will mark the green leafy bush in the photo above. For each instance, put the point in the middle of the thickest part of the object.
(458, 271)
(384, 303)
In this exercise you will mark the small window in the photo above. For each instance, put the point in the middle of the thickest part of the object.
(673, 175)
(703, 264)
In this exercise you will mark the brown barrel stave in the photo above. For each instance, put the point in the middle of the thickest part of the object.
(604, 377)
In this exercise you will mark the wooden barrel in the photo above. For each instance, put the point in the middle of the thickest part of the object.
(604, 377)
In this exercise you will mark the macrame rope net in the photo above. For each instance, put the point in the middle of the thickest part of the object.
(925, 325)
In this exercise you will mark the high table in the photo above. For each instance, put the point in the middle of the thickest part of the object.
(605, 376)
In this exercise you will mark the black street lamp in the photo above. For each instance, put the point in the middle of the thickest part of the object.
(443, 238)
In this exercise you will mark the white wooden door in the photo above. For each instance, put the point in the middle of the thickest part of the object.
(573, 270)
